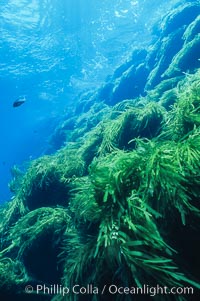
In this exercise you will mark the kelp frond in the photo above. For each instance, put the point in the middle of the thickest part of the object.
(28, 230)
(185, 114)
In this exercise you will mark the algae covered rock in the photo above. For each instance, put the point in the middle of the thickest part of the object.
(184, 116)
(118, 203)
(34, 243)
(192, 30)
(176, 51)
(184, 14)
(36, 239)
(142, 121)
(48, 179)
(187, 59)
(128, 80)
(130, 84)
(42, 186)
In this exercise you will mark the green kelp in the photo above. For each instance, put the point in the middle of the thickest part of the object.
(176, 48)
(186, 59)
(117, 222)
(184, 14)
(119, 197)
(117, 204)
(164, 182)
(192, 30)
(144, 120)
(168, 98)
(184, 116)
(10, 213)
(36, 239)
(48, 179)
(33, 245)
(165, 49)
(12, 278)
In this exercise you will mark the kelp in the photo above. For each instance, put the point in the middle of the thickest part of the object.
(164, 86)
(11, 212)
(48, 179)
(121, 231)
(184, 14)
(35, 223)
(186, 59)
(107, 208)
(115, 175)
(88, 120)
(144, 121)
(38, 233)
(90, 145)
(192, 30)
(167, 49)
(168, 98)
(164, 183)
(13, 277)
(184, 116)
(126, 195)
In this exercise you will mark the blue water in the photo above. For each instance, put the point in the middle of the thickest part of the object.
(52, 50)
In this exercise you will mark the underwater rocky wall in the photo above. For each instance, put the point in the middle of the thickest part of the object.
(118, 203)
(172, 53)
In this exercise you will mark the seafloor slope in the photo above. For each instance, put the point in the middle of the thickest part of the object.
(119, 202)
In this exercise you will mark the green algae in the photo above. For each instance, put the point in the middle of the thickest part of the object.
(184, 116)
(111, 204)
(192, 30)
(12, 277)
(184, 14)
(107, 199)
(142, 121)
(186, 59)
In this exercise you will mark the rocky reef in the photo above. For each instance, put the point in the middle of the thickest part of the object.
(117, 202)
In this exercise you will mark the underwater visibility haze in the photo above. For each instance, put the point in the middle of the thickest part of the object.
(100, 150)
